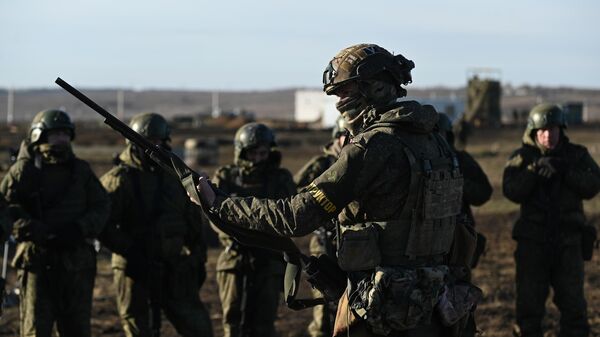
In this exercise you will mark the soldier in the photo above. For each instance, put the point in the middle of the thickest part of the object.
(468, 244)
(250, 279)
(549, 177)
(323, 240)
(58, 207)
(5, 225)
(396, 190)
(155, 235)
(476, 190)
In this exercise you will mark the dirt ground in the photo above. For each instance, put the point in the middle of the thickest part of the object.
(495, 274)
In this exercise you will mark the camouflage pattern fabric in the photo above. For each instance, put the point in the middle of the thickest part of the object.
(477, 189)
(5, 223)
(521, 184)
(41, 295)
(180, 302)
(314, 168)
(320, 325)
(155, 234)
(65, 199)
(548, 232)
(256, 271)
(539, 267)
(369, 182)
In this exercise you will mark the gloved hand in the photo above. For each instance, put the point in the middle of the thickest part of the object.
(66, 236)
(137, 264)
(30, 230)
(548, 167)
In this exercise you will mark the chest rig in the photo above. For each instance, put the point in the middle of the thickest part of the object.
(423, 233)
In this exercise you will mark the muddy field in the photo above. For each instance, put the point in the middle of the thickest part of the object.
(494, 275)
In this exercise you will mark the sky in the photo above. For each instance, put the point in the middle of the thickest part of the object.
(275, 44)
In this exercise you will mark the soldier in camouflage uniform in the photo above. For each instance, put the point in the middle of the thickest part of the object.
(549, 177)
(468, 244)
(5, 223)
(396, 190)
(58, 207)
(477, 189)
(322, 242)
(250, 279)
(155, 234)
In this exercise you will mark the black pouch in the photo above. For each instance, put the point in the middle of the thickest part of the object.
(325, 275)
(589, 234)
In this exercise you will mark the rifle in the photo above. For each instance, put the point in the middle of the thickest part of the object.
(190, 179)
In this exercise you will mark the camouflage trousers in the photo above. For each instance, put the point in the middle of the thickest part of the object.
(540, 267)
(179, 301)
(55, 295)
(262, 298)
(323, 315)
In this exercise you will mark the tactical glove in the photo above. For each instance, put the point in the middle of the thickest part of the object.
(548, 167)
(30, 230)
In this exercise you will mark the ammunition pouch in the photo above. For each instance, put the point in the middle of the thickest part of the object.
(457, 301)
(359, 247)
(589, 235)
(464, 244)
(398, 299)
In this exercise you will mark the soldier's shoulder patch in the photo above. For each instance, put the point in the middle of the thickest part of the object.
(321, 198)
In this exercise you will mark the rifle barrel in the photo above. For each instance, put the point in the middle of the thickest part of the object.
(114, 122)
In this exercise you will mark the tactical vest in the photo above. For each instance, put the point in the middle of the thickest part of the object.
(423, 233)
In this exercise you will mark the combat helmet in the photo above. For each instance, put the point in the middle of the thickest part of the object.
(51, 119)
(363, 62)
(546, 115)
(151, 125)
(251, 135)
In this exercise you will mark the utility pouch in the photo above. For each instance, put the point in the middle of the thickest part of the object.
(359, 247)
(399, 299)
(464, 243)
(589, 235)
(457, 301)
(325, 275)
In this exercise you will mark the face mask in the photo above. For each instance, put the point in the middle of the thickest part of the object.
(352, 109)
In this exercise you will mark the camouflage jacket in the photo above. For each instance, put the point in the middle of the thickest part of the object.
(315, 167)
(267, 182)
(58, 195)
(5, 223)
(150, 212)
(369, 182)
(477, 189)
(551, 210)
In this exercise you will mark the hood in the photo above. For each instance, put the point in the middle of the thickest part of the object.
(409, 115)
(129, 158)
(25, 150)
